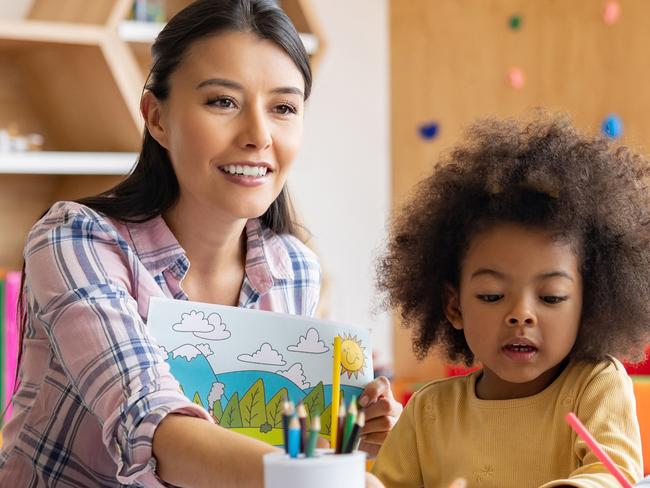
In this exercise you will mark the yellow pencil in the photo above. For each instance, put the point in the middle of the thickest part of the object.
(336, 390)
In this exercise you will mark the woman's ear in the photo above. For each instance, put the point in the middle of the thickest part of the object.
(151, 110)
(452, 307)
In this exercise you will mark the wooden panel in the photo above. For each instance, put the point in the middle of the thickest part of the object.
(23, 198)
(86, 11)
(79, 186)
(172, 7)
(295, 9)
(73, 84)
(15, 104)
(449, 63)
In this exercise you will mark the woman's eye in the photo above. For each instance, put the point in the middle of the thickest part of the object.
(552, 299)
(221, 102)
(489, 298)
(286, 109)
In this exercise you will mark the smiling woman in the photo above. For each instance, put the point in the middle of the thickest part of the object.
(96, 404)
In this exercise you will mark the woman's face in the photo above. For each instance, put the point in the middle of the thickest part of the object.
(232, 123)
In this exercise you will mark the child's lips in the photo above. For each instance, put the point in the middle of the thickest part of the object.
(518, 351)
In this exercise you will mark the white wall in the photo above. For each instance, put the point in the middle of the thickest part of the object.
(13, 9)
(341, 182)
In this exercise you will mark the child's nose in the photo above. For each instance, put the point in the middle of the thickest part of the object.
(521, 320)
(521, 315)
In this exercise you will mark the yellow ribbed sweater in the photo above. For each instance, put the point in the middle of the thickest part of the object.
(446, 432)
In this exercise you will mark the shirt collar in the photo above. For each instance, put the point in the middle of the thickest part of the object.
(266, 255)
(155, 244)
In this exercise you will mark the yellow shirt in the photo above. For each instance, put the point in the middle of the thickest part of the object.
(446, 432)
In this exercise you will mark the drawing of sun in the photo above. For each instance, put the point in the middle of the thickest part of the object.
(352, 357)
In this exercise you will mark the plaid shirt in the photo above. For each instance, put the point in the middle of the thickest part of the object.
(93, 386)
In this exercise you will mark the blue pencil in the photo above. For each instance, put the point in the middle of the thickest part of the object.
(294, 437)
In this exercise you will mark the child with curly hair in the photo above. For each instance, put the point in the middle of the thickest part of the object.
(527, 250)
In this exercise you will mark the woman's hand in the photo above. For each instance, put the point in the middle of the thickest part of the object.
(382, 412)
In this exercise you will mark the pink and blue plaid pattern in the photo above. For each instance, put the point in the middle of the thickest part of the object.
(93, 385)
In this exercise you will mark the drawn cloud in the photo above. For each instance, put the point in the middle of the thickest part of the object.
(264, 355)
(296, 374)
(194, 321)
(211, 327)
(219, 331)
(205, 349)
(310, 343)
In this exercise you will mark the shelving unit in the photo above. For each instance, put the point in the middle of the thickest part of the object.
(73, 71)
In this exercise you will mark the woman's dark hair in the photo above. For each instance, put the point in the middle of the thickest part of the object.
(542, 174)
(152, 187)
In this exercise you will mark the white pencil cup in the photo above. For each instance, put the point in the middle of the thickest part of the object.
(324, 470)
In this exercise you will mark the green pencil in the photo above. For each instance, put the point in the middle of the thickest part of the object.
(314, 431)
(349, 423)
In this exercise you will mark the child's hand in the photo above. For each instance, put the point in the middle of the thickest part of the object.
(373, 482)
(382, 412)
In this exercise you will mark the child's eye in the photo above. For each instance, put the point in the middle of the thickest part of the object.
(222, 102)
(285, 109)
(552, 299)
(489, 298)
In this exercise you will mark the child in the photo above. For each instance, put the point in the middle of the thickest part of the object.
(528, 251)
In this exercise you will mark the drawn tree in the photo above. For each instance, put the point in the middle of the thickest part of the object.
(217, 410)
(253, 405)
(231, 415)
(274, 408)
(326, 420)
(197, 399)
(315, 402)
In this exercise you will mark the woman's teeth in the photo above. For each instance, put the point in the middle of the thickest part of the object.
(245, 170)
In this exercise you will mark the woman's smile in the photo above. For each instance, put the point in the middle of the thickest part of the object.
(246, 173)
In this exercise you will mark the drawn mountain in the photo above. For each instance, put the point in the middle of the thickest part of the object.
(192, 370)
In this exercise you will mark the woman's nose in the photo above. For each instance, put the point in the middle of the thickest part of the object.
(255, 133)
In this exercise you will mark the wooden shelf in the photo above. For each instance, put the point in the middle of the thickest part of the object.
(137, 32)
(67, 163)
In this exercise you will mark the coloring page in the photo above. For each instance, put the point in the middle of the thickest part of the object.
(239, 364)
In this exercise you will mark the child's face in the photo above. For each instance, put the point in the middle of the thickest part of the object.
(519, 307)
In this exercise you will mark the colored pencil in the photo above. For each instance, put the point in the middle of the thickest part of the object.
(353, 443)
(302, 418)
(294, 437)
(314, 431)
(287, 413)
(350, 419)
(584, 434)
(340, 426)
(336, 390)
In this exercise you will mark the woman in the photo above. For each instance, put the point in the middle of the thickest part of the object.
(204, 216)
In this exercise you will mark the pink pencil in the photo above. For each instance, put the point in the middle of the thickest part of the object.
(582, 431)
